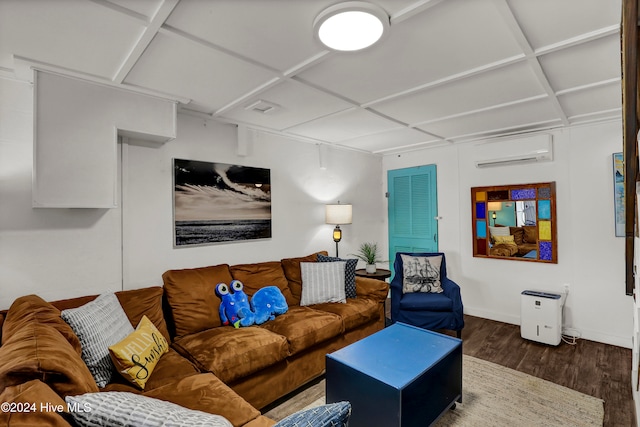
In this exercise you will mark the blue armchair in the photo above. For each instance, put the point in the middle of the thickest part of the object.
(427, 310)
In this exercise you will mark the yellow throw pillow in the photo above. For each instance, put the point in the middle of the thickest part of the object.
(507, 240)
(137, 354)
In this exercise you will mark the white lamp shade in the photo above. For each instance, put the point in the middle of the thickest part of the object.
(495, 206)
(338, 214)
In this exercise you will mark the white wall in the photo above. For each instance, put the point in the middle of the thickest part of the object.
(63, 253)
(299, 191)
(590, 257)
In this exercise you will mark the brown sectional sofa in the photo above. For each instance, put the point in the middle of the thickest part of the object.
(525, 238)
(209, 367)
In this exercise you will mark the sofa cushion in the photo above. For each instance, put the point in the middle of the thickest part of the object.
(291, 267)
(171, 367)
(137, 303)
(137, 355)
(518, 234)
(356, 311)
(435, 302)
(232, 353)
(192, 299)
(374, 289)
(259, 275)
(206, 392)
(38, 351)
(304, 327)
(99, 324)
(30, 393)
(31, 307)
(117, 408)
(530, 234)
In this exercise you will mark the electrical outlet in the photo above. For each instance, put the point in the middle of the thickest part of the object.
(565, 288)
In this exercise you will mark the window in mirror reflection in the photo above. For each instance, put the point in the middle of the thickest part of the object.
(515, 222)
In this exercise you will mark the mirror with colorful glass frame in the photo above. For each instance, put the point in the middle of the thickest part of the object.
(515, 222)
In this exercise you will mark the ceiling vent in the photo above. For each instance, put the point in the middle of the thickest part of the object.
(262, 106)
(516, 152)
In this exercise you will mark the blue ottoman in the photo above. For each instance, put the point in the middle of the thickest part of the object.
(400, 376)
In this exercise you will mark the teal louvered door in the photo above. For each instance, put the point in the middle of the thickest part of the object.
(413, 207)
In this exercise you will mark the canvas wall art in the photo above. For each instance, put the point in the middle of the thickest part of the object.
(618, 193)
(220, 202)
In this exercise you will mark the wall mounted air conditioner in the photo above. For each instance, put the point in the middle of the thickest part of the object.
(534, 149)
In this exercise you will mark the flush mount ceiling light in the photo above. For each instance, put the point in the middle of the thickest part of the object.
(351, 26)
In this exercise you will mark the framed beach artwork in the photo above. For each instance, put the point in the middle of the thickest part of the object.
(618, 193)
(219, 202)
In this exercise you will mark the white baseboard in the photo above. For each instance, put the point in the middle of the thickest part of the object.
(492, 315)
(586, 334)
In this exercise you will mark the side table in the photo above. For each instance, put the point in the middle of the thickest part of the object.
(380, 274)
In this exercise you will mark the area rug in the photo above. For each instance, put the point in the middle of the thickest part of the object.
(493, 396)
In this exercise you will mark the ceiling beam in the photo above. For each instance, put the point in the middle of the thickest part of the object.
(513, 25)
(578, 40)
(412, 10)
(158, 19)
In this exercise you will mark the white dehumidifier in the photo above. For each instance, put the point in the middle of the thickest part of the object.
(541, 317)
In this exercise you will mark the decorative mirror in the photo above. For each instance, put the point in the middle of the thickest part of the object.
(516, 222)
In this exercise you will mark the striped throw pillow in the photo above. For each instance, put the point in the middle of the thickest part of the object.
(322, 282)
(99, 324)
(119, 408)
(349, 273)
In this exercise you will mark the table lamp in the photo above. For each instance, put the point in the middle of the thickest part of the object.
(338, 214)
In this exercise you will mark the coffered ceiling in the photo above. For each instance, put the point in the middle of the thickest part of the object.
(449, 71)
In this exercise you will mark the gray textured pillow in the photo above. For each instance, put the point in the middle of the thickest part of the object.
(99, 324)
(330, 415)
(322, 282)
(119, 408)
(421, 274)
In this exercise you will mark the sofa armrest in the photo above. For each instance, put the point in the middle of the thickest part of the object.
(371, 288)
(452, 290)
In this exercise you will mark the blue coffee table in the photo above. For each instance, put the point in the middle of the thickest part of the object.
(400, 376)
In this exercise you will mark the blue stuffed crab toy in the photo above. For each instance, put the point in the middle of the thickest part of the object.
(235, 308)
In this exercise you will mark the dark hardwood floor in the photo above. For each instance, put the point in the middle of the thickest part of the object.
(596, 369)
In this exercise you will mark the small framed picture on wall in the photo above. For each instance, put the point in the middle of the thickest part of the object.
(618, 193)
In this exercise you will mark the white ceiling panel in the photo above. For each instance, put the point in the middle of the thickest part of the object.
(450, 38)
(583, 64)
(592, 117)
(262, 30)
(175, 65)
(349, 124)
(295, 103)
(452, 67)
(506, 84)
(390, 139)
(488, 122)
(547, 22)
(601, 98)
(74, 34)
(146, 8)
